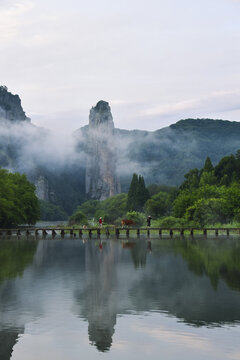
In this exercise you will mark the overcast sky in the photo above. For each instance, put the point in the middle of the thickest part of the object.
(154, 61)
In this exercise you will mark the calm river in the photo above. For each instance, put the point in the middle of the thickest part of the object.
(71, 299)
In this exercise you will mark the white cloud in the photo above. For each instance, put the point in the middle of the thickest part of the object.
(11, 18)
(154, 64)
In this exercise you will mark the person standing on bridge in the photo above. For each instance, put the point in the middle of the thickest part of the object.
(149, 221)
(100, 222)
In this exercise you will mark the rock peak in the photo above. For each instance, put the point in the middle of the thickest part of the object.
(101, 115)
(102, 106)
(10, 106)
(101, 178)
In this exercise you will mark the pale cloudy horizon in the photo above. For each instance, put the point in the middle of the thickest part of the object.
(154, 61)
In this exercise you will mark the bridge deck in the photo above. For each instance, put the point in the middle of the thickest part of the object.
(115, 230)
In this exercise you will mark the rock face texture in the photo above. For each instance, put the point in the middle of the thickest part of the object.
(10, 106)
(42, 188)
(101, 179)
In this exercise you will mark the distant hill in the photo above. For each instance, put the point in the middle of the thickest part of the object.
(165, 155)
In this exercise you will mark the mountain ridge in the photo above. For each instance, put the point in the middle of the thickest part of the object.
(162, 156)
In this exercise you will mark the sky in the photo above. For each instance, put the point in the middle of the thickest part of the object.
(154, 61)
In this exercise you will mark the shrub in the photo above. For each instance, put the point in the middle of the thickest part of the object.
(78, 218)
(138, 218)
(169, 222)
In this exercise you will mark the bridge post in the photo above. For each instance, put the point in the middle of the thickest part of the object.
(36, 232)
(148, 232)
(44, 232)
(98, 232)
(117, 232)
(62, 233)
(53, 233)
(227, 232)
(107, 233)
(71, 232)
(9, 232)
(171, 232)
(18, 232)
(90, 233)
(160, 232)
(127, 232)
(191, 232)
(138, 233)
(216, 232)
(205, 232)
(27, 232)
(181, 231)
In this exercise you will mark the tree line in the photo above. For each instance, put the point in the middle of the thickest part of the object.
(207, 196)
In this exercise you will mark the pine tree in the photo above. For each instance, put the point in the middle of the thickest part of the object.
(142, 193)
(208, 166)
(137, 194)
(132, 194)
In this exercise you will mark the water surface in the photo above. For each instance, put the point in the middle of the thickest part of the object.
(165, 298)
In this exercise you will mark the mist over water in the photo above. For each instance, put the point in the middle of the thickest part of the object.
(168, 296)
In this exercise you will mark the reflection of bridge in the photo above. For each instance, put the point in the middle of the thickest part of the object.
(117, 231)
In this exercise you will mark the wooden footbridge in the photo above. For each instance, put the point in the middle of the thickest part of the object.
(117, 231)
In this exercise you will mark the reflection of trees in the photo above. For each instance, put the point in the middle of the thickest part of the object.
(15, 257)
(215, 258)
(139, 254)
(167, 284)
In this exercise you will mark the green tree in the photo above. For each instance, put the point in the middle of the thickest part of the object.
(142, 192)
(89, 207)
(26, 201)
(78, 218)
(137, 217)
(207, 211)
(192, 180)
(157, 206)
(208, 166)
(137, 194)
(109, 209)
(184, 200)
(232, 198)
(51, 212)
(207, 178)
(225, 169)
(154, 189)
(132, 203)
(18, 202)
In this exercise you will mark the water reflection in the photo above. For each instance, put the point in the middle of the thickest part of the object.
(98, 299)
(14, 258)
(196, 281)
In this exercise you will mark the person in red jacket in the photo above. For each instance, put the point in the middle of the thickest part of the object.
(100, 222)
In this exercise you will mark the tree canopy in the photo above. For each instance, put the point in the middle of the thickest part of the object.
(18, 202)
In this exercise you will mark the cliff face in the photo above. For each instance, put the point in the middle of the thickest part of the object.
(10, 106)
(101, 178)
(42, 191)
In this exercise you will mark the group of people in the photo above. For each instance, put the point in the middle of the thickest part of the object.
(100, 221)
